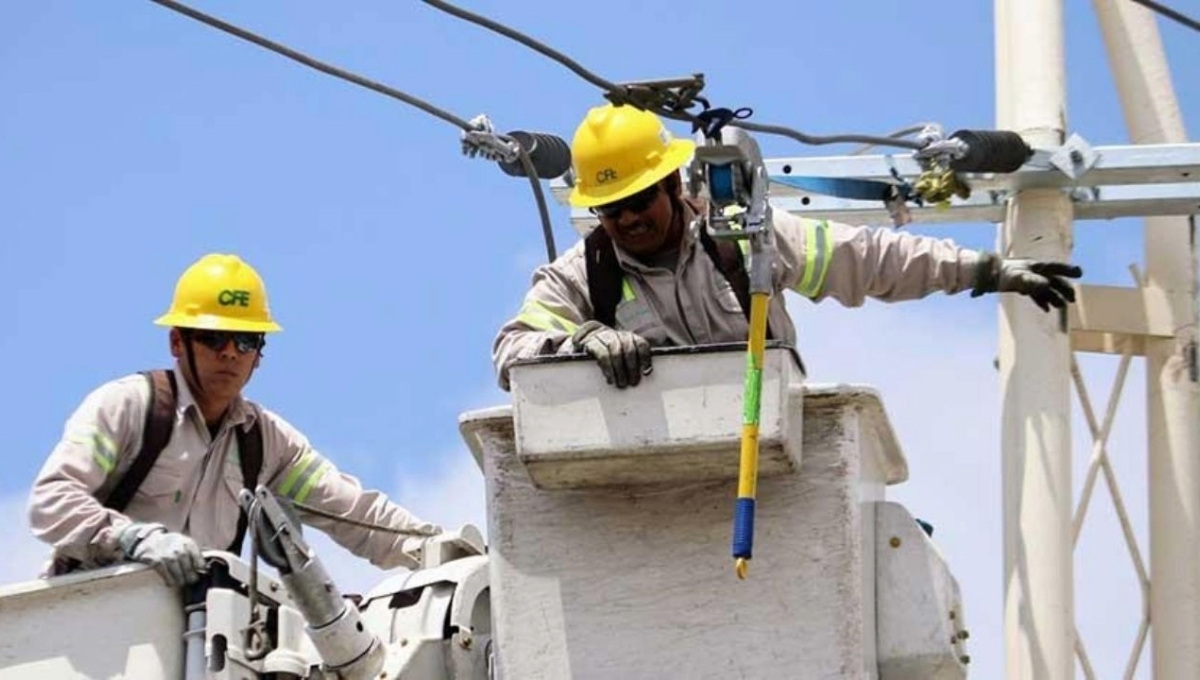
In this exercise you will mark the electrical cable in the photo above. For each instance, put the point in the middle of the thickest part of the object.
(362, 525)
(668, 104)
(417, 102)
(1170, 14)
(314, 63)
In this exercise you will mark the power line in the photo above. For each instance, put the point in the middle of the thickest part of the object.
(521, 153)
(665, 101)
(902, 132)
(1170, 14)
(525, 40)
(314, 63)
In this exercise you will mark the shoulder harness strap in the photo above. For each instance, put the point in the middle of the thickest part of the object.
(604, 276)
(156, 432)
(250, 453)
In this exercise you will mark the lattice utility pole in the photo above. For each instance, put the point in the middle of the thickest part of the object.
(1143, 80)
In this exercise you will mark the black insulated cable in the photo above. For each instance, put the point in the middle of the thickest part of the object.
(522, 153)
(1170, 14)
(637, 95)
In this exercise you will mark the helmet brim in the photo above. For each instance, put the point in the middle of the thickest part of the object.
(211, 322)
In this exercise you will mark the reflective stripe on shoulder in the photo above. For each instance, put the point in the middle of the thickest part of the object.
(304, 475)
(818, 247)
(539, 317)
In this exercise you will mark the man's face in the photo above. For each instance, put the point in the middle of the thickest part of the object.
(224, 360)
(640, 224)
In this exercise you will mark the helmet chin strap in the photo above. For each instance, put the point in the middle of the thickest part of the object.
(186, 334)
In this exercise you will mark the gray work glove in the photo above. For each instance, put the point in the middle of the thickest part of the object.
(624, 356)
(174, 556)
(1045, 282)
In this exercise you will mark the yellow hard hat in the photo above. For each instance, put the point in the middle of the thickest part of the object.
(220, 292)
(620, 150)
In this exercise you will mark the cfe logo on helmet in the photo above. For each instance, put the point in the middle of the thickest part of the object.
(228, 298)
(605, 175)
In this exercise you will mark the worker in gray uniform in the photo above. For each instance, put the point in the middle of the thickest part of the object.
(649, 277)
(150, 466)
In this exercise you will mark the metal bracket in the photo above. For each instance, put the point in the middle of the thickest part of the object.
(1075, 157)
(1105, 182)
(483, 142)
(730, 175)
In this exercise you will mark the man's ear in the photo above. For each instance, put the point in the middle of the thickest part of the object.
(672, 184)
(176, 342)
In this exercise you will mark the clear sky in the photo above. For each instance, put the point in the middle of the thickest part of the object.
(134, 140)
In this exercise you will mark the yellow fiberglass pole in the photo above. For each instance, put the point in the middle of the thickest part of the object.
(743, 519)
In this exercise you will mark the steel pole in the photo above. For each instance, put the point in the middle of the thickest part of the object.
(1034, 353)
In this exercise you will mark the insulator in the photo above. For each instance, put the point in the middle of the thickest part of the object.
(991, 151)
(550, 155)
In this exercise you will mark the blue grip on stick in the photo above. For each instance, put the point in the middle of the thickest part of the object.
(743, 528)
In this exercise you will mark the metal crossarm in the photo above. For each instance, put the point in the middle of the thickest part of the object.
(1104, 182)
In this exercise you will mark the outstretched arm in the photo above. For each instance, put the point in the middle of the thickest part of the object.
(820, 259)
(308, 478)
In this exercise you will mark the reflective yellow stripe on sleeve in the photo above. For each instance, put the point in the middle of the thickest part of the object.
(539, 317)
(818, 247)
(312, 480)
(626, 290)
(103, 448)
(304, 475)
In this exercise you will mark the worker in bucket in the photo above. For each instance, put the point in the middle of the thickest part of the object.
(150, 465)
(648, 277)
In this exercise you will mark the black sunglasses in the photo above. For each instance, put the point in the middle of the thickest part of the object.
(637, 203)
(244, 342)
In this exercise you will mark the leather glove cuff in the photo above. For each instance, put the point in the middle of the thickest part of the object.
(987, 274)
(132, 536)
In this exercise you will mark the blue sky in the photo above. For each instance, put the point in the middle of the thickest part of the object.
(133, 140)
